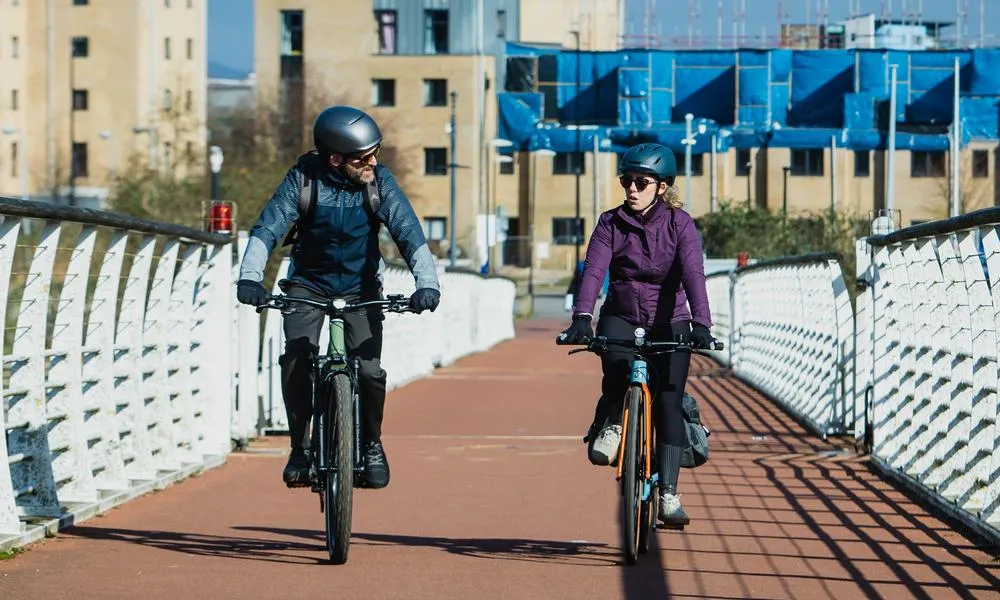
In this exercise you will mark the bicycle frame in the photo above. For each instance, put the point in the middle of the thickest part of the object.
(326, 366)
(639, 376)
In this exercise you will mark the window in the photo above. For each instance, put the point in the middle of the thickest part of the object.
(435, 161)
(568, 163)
(81, 2)
(168, 100)
(80, 159)
(14, 47)
(166, 48)
(435, 31)
(743, 162)
(383, 92)
(566, 230)
(502, 24)
(862, 163)
(188, 100)
(189, 50)
(291, 32)
(13, 159)
(697, 164)
(80, 47)
(927, 164)
(435, 92)
(80, 98)
(14, 99)
(507, 168)
(435, 228)
(190, 3)
(386, 21)
(980, 163)
(808, 163)
(167, 154)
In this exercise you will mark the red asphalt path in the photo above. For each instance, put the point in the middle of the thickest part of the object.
(492, 498)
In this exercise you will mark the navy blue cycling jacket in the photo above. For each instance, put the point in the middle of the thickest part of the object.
(337, 252)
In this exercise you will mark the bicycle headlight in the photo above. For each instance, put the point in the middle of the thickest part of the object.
(339, 304)
(640, 333)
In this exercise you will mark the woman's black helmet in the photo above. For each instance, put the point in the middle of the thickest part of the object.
(654, 159)
(345, 130)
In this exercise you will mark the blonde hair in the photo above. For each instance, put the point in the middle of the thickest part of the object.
(673, 197)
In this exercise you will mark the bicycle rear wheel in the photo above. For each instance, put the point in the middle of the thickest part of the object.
(339, 492)
(631, 481)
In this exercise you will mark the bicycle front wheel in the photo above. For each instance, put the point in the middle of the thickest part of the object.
(340, 475)
(631, 481)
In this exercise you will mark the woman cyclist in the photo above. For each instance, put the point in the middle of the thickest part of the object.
(657, 269)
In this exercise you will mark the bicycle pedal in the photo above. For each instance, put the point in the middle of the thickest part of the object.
(671, 526)
(297, 484)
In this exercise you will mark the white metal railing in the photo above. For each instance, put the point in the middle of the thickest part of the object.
(475, 314)
(927, 361)
(789, 329)
(127, 363)
(115, 372)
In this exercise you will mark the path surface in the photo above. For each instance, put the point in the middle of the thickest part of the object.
(492, 498)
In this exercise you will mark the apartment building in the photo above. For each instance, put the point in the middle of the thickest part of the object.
(406, 62)
(88, 85)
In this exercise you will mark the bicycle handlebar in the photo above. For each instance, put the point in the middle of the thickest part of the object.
(397, 303)
(600, 343)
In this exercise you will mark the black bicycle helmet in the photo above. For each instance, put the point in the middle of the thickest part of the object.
(345, 130)
(654, 159)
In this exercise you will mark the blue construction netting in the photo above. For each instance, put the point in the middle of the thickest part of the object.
(746, 98)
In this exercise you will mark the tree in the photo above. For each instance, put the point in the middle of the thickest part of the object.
(974, 193)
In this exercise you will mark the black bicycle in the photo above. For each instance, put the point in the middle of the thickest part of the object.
(636, 468)
(337, 465)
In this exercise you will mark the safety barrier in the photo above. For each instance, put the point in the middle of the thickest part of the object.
(928, 306)
(116, 371)
(475, 314)
(129, 365)
(790, 333)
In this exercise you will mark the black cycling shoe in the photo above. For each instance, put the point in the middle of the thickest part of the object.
(296, 473)
(376, 466)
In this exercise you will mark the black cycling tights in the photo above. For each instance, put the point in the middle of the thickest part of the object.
(668, 375)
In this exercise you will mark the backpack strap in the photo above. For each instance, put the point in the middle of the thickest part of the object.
(307, 201)
(372, 197)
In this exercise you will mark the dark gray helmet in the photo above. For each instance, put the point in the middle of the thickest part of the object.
(345, 130)
(654, 159)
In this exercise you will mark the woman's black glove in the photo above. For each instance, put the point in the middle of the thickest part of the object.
(701, 337)
(578, 332)
(251, 292)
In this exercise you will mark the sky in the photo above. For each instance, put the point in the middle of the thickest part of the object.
(230, 22)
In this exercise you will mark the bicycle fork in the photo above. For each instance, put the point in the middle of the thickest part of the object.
(640, 378)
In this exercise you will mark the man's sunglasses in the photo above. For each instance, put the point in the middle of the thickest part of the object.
(641, 183)
(365, 158)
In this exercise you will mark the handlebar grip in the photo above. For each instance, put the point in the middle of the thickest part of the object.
(717, 345)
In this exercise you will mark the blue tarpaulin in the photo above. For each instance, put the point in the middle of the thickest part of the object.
(751, 98)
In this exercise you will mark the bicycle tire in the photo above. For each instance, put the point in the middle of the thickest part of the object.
(631, 483)
(339, 492)
(647, 509)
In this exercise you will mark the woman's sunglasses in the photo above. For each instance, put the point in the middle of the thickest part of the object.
(641, 183)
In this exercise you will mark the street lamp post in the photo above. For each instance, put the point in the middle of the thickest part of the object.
(22, 158)
(689, 139)
(494, 159)
(112, 154)
(784, 193)
(531, 221)
(452, 248)
(578, 152)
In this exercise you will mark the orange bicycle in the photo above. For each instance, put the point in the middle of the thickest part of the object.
(636, 460)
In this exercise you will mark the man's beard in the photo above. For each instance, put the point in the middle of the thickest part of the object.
(363, 175)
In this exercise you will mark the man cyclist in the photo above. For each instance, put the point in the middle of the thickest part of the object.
(650, 248)
(336, 254)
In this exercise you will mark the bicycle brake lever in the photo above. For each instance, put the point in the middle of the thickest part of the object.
(578, 350)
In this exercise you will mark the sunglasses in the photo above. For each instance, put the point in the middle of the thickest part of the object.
(365, 158)
(641, 183)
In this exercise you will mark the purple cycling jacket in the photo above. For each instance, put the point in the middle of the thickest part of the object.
(656, 267)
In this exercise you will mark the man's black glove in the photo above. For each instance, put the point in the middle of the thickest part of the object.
(578, 332)
(250, 292)
(424, 299)
(701, 336)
